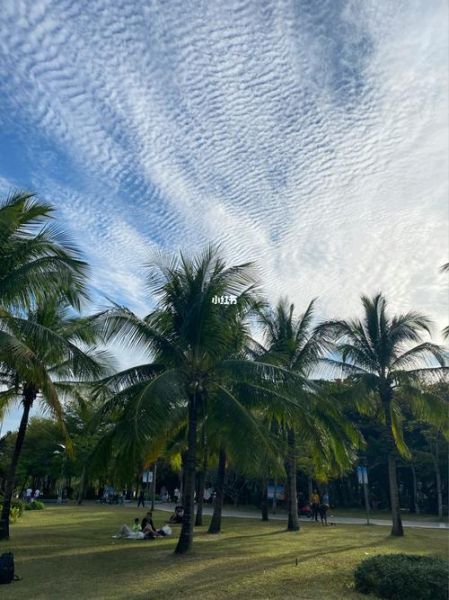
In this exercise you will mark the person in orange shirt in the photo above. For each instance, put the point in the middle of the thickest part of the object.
(315, 504)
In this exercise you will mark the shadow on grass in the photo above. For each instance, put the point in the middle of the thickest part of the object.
(77, 558)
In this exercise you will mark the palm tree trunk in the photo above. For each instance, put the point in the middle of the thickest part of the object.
(293, 522)
(436, 467)
(200, 494)
(309, 487)
(414, 490)
(82, 486)
(264, 500)
(397, 528)
(29, 395)
(186, 535)
(215, 524)
(274, 503)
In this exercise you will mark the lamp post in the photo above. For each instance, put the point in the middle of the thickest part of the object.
(153, 494)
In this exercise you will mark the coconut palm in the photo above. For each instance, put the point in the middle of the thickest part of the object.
(386, 355)
(293, 343)
(42, 357)
(35, 255)
(190, 340)
(237, 435)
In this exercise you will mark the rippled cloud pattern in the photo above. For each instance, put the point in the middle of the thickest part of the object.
(309, 136)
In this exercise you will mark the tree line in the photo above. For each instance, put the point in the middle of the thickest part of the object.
(240, 384)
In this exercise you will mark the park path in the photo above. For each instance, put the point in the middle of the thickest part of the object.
(239, 514)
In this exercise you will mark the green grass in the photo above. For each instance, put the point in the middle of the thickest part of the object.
(68, 552)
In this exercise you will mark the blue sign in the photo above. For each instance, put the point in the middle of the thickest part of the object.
(280, 492)
(362, 475)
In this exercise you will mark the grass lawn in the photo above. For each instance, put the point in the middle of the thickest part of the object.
(67, 552)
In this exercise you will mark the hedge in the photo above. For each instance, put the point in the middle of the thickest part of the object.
(403, 577)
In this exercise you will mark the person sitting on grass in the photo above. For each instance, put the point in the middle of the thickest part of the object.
(133, 533)
(149, 529)
(178, 515)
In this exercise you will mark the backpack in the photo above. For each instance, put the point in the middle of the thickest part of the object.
(7, 568)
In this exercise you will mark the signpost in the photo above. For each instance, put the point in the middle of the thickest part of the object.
(147, 477)
(362, 477)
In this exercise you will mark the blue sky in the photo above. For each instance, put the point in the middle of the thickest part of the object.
(310, 136)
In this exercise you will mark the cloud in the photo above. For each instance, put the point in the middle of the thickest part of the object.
(309, 136)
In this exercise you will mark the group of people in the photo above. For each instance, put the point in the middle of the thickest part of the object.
(319, 506)
(146, 530)
(143, 530)
(29, 494)
(164, 495)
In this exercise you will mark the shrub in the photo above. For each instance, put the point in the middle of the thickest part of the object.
(34, 505)
(17, 508)
(403, 576)
(14, 514)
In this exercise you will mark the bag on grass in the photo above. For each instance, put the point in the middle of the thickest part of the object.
(6, 568)
(167, 530)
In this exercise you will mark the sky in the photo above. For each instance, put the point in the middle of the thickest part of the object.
(308, 136)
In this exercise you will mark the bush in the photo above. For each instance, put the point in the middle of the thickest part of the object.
(403, 576)
(14, 514)
(34, 505)
(17, 508)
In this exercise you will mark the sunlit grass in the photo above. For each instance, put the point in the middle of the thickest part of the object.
(68, 552)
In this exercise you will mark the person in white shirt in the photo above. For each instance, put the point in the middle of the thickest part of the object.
(36, 494)
(29, 494)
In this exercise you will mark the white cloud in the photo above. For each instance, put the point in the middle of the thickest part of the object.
(309, 136)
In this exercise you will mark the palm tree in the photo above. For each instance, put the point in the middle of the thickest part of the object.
(237, 434)
(191, 343)
(292, 343)
(41, 353)
(386, 355)
(35, 256)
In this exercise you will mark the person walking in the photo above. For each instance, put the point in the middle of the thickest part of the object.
(164, 494)
(141, 499)
(315, 504)
(324, 507)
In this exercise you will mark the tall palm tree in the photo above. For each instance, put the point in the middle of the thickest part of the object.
(386, 355)
(41, 353)
(237, 434)
(292, 343)
(35, 255)
(190, 340)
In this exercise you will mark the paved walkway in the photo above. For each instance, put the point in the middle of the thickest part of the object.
(240, 514)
